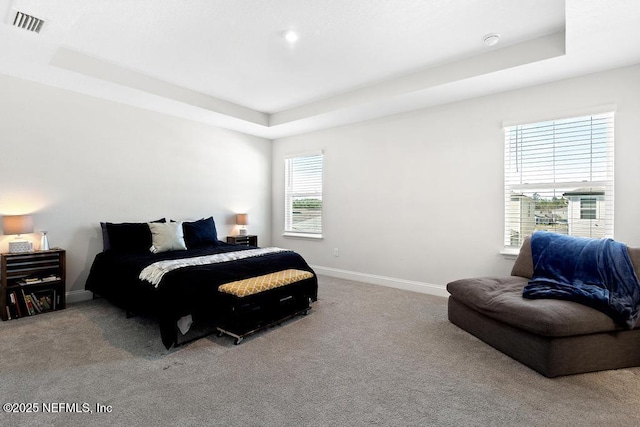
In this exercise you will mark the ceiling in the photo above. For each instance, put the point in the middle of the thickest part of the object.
(225, 62)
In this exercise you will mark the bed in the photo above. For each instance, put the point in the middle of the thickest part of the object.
(190, 290)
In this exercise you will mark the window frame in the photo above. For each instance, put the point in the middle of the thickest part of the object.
(290, 194)
(602, 118)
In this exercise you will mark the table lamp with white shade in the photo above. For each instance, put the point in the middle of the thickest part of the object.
(18, 225)
(242, 220)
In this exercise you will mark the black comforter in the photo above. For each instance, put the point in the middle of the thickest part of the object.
(188, 290)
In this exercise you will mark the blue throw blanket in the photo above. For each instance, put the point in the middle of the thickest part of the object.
(593, 272)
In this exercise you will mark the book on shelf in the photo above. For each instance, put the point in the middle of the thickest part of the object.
(21, 303)
(13, 297)
(45, 302)
(35, 303)
(9, 307)
(27, 302)
(35, 280)
(43, 299)
(30, 306)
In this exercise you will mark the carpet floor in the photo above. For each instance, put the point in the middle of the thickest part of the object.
(365, 355)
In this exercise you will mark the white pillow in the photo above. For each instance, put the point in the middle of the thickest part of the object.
(167, 236)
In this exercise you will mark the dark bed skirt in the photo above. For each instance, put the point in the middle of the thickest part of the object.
(191, 290)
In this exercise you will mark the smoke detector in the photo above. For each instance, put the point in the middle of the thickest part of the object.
(25, 21)
(491, 39)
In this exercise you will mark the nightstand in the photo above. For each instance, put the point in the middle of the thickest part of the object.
(32, 283)
(248, 240)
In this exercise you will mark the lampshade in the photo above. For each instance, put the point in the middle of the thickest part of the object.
(17, 224)
(242, 219)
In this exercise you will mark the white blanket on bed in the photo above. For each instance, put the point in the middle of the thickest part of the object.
(155, 272)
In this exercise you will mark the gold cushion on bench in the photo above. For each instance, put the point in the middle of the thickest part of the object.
(255, 285)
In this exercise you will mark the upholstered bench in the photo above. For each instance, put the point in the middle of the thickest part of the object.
(554, 337)
(249, 305)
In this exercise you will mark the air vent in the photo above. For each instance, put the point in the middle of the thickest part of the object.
(28, 22)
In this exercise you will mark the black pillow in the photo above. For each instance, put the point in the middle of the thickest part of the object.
(200, 233)
(127, 236)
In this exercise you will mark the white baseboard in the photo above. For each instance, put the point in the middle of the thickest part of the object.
(77, 296)
(392, 282)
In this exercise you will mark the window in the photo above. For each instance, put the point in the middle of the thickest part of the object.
(303, 195)
(559, 177)
(588, 208)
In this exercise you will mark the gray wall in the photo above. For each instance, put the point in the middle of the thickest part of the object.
(411, 200)
(416, 200)
(72, 161)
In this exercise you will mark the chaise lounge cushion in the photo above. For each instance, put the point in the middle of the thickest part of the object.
(554, 337)
(501, 299)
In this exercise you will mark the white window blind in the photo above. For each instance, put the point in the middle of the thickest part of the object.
(303, 195)
(559, 177)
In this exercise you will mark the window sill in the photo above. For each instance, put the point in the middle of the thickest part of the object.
(510, 253)
(303, 235)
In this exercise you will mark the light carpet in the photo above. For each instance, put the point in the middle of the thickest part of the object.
(365, 355)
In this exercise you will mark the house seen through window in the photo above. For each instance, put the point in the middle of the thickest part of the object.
(303, 195)
(559, 177)
(588, 208)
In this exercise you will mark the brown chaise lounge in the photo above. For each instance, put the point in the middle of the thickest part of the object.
(553, 337)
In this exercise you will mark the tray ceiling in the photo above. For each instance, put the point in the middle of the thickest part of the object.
(226, 62)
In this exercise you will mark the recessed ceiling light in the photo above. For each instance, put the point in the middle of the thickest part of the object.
(491, 39)
(290, 36)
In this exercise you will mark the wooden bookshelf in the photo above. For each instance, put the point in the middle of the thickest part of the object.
(32, 283)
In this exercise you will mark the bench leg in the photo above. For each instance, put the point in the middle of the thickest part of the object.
(239, 338)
